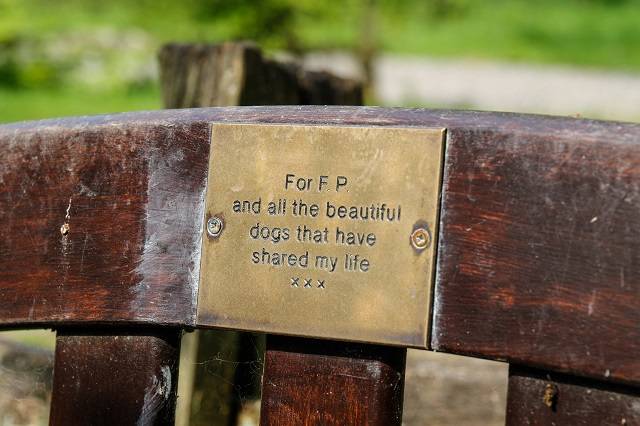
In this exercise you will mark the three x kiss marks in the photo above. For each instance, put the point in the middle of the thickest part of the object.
(307, 283)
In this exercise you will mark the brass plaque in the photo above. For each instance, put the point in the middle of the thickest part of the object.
(321, 231)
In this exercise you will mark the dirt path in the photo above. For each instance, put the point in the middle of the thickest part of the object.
(496, 86)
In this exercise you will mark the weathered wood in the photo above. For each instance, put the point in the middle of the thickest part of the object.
(323, 88)
(101, 222)
(227, 74)
(226, 377)
(539, 245)
(537, 397)
(539, 257)
(315, 382)
(188, 367)
(215, 397)
(450, 390)
(115, 377)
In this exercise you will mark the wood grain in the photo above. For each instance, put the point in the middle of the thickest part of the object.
(111, 377)
(539, 257)
(130, 199)
(311, 382)
(539, 241)
(541, 398)
(237, 73)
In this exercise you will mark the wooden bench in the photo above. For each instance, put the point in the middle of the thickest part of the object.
(538, 264)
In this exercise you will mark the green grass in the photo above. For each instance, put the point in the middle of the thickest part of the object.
(572, 32)
(566, 32)
(17, 105)
(602, 34)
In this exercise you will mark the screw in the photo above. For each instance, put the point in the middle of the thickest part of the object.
(214, 226)
(420, 239)
(550, 397)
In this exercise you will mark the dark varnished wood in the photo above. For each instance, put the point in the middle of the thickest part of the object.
(131, 196)
(538, 251)
(539, 257)
(110, 377)
(541, 398)
(311, 382)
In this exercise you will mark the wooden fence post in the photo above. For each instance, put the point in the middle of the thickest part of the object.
(230, 74)
(234, 74)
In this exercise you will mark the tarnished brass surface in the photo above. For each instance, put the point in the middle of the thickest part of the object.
(373, 285)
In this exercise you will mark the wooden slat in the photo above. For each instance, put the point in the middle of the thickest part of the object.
(539, 245)
(542, 398)
(539, 257)
(111, 377)
(315, 382)
(101, 222)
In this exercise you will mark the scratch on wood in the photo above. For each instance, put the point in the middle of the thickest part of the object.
(156, 396)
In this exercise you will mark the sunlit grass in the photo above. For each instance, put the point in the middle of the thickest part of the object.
(602, 33)
(594, 34)
(587, 33)
(17, 105)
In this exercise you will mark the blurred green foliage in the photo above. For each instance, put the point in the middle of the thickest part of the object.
(107, 48)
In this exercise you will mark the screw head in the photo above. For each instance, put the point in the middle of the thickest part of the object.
(214, 226)
(420, 239)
